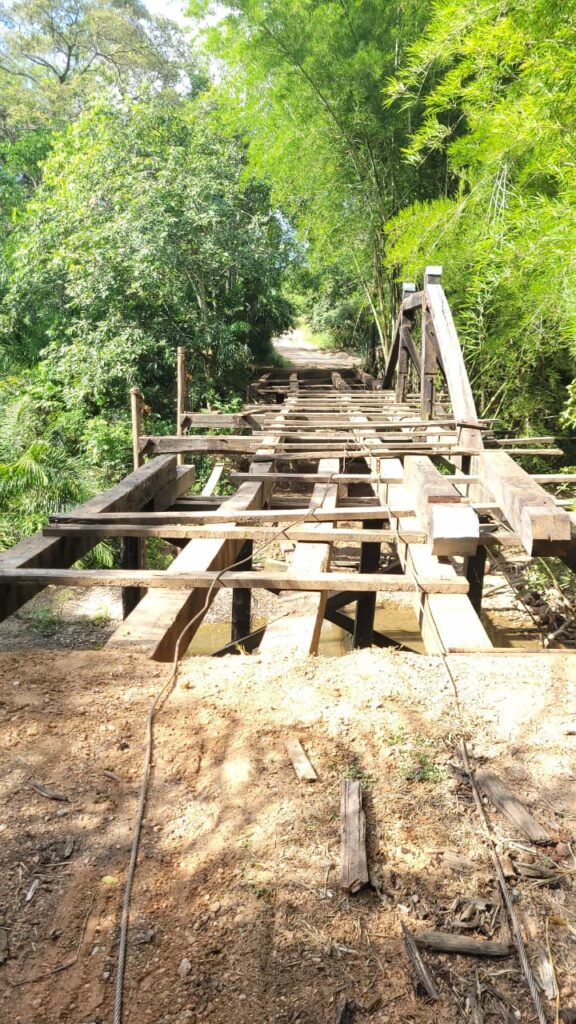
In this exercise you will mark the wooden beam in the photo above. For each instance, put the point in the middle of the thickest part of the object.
(242, 598)
(180, 392)
(317, 581)
(136, 417)
(353, 862)
(224, 531)
(453, 528)
(229, 513)
(37, 551)
(366, 604)
(461, 397)
(300, 632)
(446, 621)
(543, 527)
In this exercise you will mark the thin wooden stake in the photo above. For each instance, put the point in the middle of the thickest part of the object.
(180, 393)
(136, 411)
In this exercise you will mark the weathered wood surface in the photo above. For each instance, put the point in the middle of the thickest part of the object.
(424, 981)
(37, 551)
(461, 397)
(453, 528)
(353, 861)
(506, 802)
(543, 527)
(300, 631)
(231, 532)
(310, 514)
(446, 942)
(300, 762)
(448, 622)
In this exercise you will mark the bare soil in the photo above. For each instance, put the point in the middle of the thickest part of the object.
(238, 869)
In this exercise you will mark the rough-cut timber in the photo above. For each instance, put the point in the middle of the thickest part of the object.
(353, 862)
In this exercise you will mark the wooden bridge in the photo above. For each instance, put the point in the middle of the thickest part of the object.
(402, 472)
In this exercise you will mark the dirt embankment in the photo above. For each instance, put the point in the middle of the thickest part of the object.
(238, 870)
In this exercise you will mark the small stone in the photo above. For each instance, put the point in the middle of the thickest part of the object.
(215, 907)
(184, 968)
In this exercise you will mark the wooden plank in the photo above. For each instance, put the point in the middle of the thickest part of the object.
(461, 397)
(224, 531)
(214, 479)
(158, 622)
(353, 863)
(453, 528)
(164, 579)
(213, 420)
(300, 762)
(543, 527)
(229, 513)
(134, 491)
(299, 631)
(185, 479)
(196, 444)
(509, 805)
(447, 621)
(445, 942)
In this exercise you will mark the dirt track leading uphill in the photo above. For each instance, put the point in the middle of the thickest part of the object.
(238, 869)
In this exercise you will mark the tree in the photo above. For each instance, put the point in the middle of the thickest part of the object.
(495, 89)
(54, 54)
(306, 79)
(145, 233)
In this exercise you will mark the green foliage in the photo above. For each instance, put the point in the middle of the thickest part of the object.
(306, 80)
(56, 54)
(499, 104)
(145, 233)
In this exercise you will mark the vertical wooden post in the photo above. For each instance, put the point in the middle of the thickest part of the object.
(134, 548)
(180, 392)
(242, 598)
(136, 411)
(475, 567)
(431, 276)
(366, 603)
(405, 324)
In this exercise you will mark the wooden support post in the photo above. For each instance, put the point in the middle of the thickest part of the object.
(242, 599)
(180, 392)
(429, 359)
(136, 412)
(405, 325)
(475, 566)
(133, 557)
(366, 604)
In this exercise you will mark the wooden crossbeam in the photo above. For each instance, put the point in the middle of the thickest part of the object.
(229, 513)
(453, 528)
(37, 551)
(300, 631)
(543, 527)
(161, 579)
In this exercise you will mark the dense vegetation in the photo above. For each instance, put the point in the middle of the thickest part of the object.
(297, 157)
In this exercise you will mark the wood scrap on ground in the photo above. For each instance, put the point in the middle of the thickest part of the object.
(508, 804)
(446, 942)
(300, 762)
(423, 980)
(354, 866)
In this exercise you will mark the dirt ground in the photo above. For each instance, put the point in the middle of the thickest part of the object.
(238, 877)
